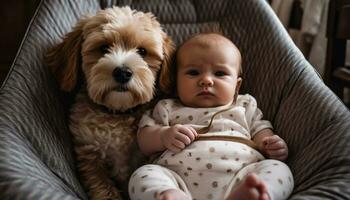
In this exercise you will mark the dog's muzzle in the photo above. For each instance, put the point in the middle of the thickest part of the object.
(122, 74)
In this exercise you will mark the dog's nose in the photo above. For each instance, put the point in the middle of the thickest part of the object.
(122, 74)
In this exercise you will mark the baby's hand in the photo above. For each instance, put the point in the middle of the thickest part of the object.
(177, 137)
(275, 147)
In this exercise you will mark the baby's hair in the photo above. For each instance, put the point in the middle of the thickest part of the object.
(205, 43)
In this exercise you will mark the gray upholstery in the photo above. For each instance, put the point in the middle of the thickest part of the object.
(36, 156)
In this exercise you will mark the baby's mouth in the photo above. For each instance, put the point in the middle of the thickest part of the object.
(205, 93)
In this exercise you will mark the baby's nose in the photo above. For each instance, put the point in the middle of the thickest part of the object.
(206, 81)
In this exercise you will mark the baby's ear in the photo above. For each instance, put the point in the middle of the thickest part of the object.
(238, 87)
(239, 83)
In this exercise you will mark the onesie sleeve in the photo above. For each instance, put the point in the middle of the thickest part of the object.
(254, 116)
(158, 116)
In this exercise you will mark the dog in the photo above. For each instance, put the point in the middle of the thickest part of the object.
(117, 58)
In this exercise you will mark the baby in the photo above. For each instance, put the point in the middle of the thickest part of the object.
(208, 104)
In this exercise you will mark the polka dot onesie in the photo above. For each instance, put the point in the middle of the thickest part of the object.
(209, 169)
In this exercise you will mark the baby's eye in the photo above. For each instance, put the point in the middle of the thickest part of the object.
(220, 73)
(192, 72)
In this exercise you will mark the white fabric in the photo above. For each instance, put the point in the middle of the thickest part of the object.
(210, 169)
(204, 174)
(243, 120)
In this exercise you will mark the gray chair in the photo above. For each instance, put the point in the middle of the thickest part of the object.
(36, 156)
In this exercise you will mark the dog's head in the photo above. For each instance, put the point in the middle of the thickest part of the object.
(120, 52)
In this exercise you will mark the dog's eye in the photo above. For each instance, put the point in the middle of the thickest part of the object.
(142, 51)
(104, 49)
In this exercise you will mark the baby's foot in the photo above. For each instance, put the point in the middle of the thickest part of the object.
(251, 188)
(173, 194)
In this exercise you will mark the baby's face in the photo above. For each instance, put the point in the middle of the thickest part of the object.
(207, 76)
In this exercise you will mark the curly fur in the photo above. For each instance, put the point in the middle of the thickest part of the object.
(104, 135)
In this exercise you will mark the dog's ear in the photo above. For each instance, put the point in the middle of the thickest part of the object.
(165, 76)
(65, 58)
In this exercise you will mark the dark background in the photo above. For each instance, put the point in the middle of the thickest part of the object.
(15, 16)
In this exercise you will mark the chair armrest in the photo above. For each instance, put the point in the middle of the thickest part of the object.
(35, 144)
